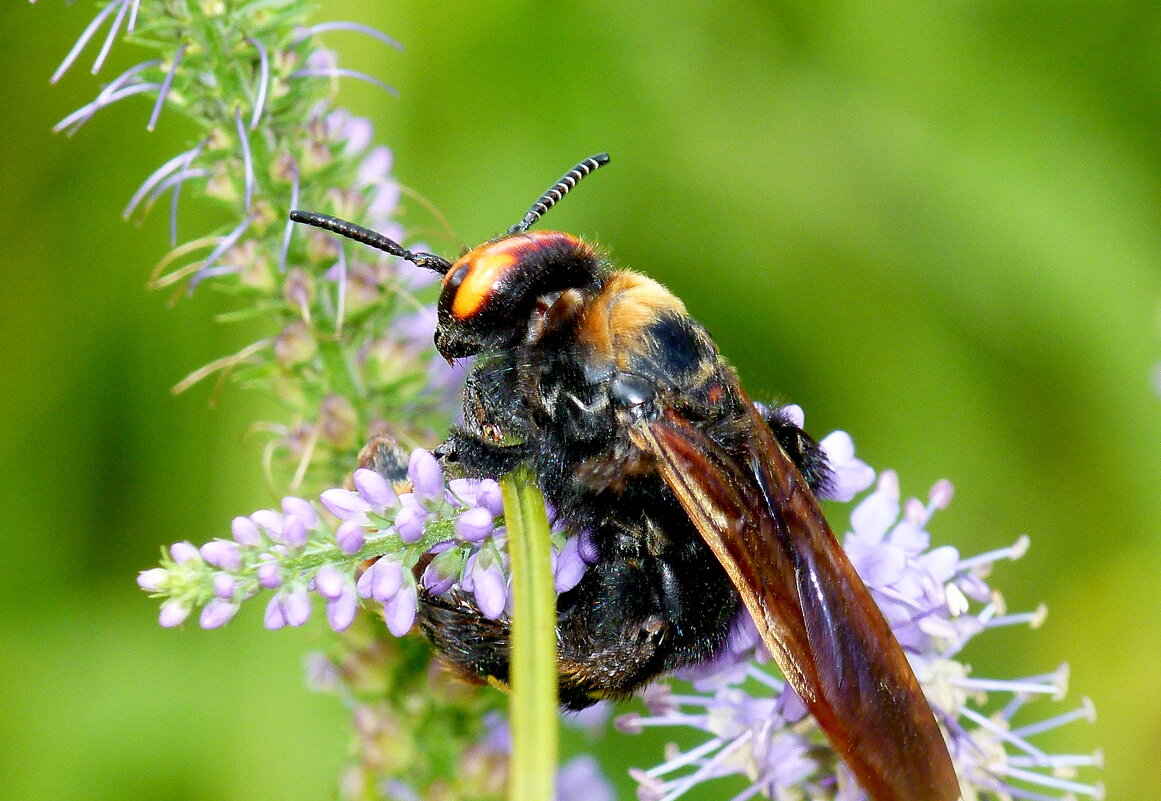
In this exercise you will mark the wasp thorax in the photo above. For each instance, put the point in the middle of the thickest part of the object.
(489, 293)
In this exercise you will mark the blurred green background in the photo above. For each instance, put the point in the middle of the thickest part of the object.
(936, 225)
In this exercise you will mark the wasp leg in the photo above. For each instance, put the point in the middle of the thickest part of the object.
(463, 453)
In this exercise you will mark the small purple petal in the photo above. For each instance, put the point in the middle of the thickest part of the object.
(350, 537)
(363, 584)
(344, 504)
(410, 519)
(490, 497)
(183, 552)
(587, 548)
(270, 575)
(386, 579)
(474, 525)
(294, 531)
(399, 612)
(296, 606)
(152, 580)
(224, 586)
(341, 610)
(223, 554)
(173, 613)
(374, 488)
(376, 166)
(300, 508)
(570, 567)
(425, 473)
(217, 613)
(246, 532)
(875, 514)
(581, 779)
(330, 582)
(274, 618)
(794, 414)
(269, 520)
(491, 590)
(435, 581)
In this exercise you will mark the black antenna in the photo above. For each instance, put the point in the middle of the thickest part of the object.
(371, 238)
(558, 190)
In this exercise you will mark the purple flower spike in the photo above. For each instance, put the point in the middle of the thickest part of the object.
(294, 531)
(399, 612)
(217, 613)
(425, 473)
(409, 521)
(246, 532)
(223, 554)
(330, 582)
(300, 508)
(350, 537)
(173, 613)
(490, 589)
(344, 504)
(183, 552)
(374, 488)
(474, 524)
(296, 606)
(341, 610)
(274, 618)
(270, 575)
(152, 580)
(224, 586)
(570, 567)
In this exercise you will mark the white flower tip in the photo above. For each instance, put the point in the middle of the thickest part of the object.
(1060, 680)
(173, 613)
(1090, 715)
(1038, 617)
(152, 580)
(957, 602)
(941, 494)
(1020, 547)
(629, 723)
(889, 483)
(1098, 791)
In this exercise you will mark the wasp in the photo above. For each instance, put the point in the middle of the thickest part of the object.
(698, 501)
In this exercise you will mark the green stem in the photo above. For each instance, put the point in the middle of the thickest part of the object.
(533, 706)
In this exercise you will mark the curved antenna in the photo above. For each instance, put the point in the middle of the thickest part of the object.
(558, 190)
(370, 238)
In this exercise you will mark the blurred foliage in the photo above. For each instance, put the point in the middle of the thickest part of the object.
(934, 225)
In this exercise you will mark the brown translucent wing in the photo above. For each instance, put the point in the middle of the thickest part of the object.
(813, 611)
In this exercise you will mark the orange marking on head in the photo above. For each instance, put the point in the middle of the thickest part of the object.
(486, 265)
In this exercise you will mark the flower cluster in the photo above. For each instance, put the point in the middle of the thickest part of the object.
(457, 528)
(349, 347)
(935, 601)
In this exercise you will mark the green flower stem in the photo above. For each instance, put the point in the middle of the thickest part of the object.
(532, 710)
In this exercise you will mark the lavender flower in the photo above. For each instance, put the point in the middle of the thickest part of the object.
(936, 602)
(297, 552)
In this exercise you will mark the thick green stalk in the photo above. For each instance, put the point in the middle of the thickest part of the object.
(533, 706)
